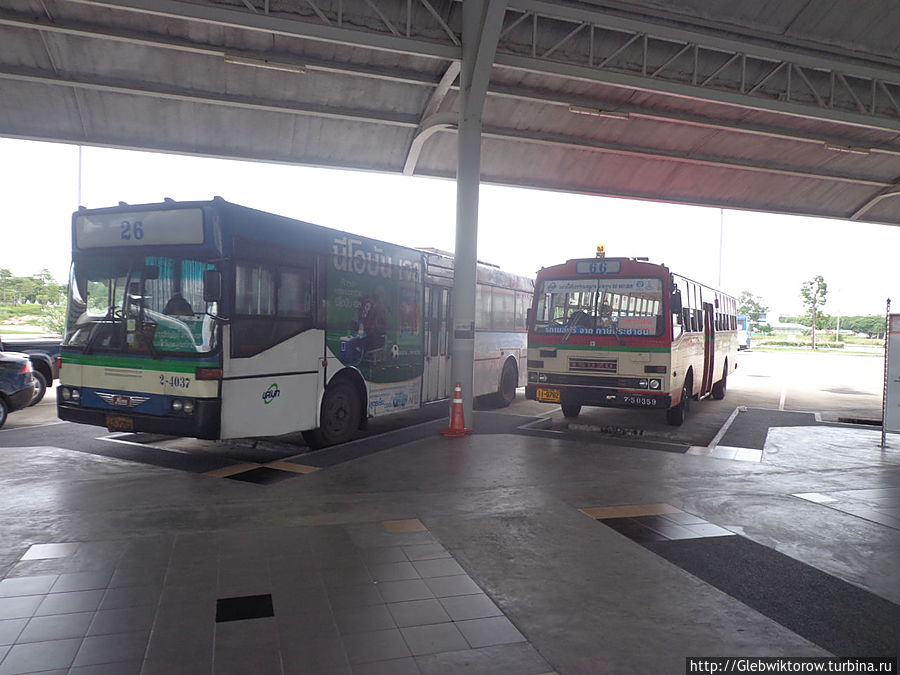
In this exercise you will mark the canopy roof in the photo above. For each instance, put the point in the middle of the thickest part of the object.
(779, 105)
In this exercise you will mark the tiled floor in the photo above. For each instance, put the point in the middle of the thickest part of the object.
(879, 505)
(166, 570)
(655, 522)
(376, 598)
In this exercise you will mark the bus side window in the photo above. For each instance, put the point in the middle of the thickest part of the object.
(483, 308)
(271, 305)
(677, 324)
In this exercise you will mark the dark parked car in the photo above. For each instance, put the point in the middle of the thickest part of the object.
(16, 383)
(43, 352)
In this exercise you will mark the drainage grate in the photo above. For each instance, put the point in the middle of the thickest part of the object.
(856, 420)
(246, 607)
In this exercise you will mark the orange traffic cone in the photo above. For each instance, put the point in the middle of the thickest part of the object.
(457, 422)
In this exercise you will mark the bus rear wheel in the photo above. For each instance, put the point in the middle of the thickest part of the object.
(340, 416)
(509, 380)
(718, 388)
(675, 416)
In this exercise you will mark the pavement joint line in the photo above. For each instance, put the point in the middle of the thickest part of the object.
(366, 438)
(629, 511)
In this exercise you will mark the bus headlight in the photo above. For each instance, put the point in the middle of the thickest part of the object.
(542, 377)
(66, 394)
(655, 384)
(642, 383)
(180, 405)
(76, 395)
(532, 376)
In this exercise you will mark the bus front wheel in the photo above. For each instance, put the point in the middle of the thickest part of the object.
(675, 416)
(571, 410)
(340, 416)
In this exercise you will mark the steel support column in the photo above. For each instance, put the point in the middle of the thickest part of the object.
(482, 21)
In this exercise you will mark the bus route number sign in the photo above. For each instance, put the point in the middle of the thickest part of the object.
(139, 228)
(598, 267)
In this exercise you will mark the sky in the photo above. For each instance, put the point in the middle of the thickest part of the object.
(520, 230)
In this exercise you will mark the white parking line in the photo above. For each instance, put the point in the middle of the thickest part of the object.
(113, 439)
(34, 426)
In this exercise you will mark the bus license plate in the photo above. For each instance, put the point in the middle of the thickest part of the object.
(114, 423)
(548, 395)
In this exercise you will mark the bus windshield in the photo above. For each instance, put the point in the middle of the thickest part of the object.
(608, 306)
(147, 304)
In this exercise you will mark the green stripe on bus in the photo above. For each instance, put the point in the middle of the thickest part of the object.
(136, 363)
(605, 348)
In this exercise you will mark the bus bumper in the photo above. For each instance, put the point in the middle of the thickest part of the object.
(202, 423)
(599, 397)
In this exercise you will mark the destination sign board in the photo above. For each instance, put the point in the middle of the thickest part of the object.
(139, 228)
(598, 267)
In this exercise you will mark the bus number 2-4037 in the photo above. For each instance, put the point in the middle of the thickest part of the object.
(176, 381)
(132, 230)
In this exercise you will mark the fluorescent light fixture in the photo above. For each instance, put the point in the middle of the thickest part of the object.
(597, 112)
(848, 148)
(265, 63)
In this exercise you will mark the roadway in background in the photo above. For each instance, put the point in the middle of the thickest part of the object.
(838, 386)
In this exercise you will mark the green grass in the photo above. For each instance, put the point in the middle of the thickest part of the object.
(18, 311)
(859, 340)
(21, 330)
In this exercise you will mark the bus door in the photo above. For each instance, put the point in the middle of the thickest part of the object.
(431, 375)
(709, 347)
(444, 345)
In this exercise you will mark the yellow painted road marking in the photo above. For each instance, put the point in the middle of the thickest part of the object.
(293, 468)
(398, 526)
(629, 511)
(232, 470)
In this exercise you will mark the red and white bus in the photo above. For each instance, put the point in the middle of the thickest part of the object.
(626, 333)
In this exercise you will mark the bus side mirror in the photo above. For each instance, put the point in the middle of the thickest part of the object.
(528, 317)
(675, 302)
(212, 286)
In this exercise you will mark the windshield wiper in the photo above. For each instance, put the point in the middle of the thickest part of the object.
(574, 320)
(150, 348)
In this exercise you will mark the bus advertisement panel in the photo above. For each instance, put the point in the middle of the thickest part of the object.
(374, 298)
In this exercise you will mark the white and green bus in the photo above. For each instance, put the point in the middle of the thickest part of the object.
(213, 320)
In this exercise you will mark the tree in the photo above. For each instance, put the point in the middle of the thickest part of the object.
(752, 306)
(5, 276)
(814, 292)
